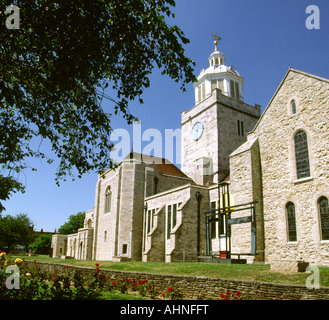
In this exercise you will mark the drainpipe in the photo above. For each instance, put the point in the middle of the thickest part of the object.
(198, 198)
(96, 218)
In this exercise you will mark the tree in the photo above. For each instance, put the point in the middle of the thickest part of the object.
(56, 67)
(16, 230)
(74, 223)
(42, 244)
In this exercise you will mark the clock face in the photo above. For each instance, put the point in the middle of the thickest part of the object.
(197, 130)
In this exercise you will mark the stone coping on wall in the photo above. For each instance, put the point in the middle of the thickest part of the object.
(198, 287)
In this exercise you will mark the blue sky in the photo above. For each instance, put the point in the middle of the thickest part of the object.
(261, 39)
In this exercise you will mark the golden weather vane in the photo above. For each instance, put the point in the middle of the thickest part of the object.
(217, 39)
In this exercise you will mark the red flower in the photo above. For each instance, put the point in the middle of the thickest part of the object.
(164, 295)
(98, 275)
(238, 293)
(148, 288)
(227, 292)
(170, 290)
(35, 260)
(222, 296)
(113, 283)
(66, 267)
(97, 269)
(97, 264)
(128, 280)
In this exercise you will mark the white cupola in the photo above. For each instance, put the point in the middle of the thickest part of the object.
(218, 76)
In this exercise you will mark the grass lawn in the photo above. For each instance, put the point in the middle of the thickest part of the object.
(257, 272)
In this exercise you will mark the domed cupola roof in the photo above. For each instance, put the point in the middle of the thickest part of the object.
(218, 76)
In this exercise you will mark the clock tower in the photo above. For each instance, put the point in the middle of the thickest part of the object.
(217, 124)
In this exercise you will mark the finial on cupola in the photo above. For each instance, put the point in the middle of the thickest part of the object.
(217, 39)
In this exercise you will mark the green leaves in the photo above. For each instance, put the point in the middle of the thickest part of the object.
(53, 67)
(74, 223)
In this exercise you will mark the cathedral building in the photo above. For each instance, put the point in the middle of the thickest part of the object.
(251, 187)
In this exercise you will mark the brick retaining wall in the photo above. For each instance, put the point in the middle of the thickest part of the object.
(200, 287)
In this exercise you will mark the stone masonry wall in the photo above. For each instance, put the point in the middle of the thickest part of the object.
(200, 287)
(275, 131)
(245, 187)
(182, 243)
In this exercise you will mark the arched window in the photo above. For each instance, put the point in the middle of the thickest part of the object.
(301, 155)
(108, 196)
(293, 107)
(324, 217)
(291, 219)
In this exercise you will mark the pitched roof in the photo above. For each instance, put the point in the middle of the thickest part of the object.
(169, 168)
(279, 87)
(162, 164)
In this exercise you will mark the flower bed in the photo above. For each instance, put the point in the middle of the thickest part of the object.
(37, 284)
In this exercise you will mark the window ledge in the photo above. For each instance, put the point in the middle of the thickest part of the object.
(303, 180)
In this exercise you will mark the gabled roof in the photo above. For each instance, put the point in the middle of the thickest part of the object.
(279, 87)
(171, 169)
(163, 165)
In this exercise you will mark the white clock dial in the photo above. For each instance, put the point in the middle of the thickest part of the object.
(197, 130)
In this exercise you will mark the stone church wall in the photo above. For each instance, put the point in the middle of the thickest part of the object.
(245, 186)
(181, 243)
(275, 133)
